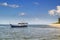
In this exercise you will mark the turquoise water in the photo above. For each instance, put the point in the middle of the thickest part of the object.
(32, 32)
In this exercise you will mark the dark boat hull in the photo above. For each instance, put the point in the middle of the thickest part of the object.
(16, 26)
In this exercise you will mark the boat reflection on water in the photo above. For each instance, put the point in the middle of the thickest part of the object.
(19, 25)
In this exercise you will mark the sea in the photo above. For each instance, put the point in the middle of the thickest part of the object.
(32, 32)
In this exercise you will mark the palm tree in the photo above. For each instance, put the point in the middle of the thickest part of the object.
(59, 20)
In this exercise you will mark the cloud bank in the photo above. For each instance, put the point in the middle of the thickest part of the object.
(9, 5)
(55, 11)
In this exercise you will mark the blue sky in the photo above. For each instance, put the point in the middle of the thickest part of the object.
(31, 11)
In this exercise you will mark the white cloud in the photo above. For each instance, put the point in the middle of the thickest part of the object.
(52, 12)
(36, 3)
(55, 11)
(9, 5)
(14, 6)
(58, 9)
(4, 4)
(22, 14)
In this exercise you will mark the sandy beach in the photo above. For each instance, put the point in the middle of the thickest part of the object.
(55, 25)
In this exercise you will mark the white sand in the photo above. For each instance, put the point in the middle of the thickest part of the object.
(54, 25)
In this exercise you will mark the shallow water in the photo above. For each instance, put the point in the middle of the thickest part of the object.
(32, 32)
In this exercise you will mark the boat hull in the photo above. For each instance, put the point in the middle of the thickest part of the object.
(16, 26)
